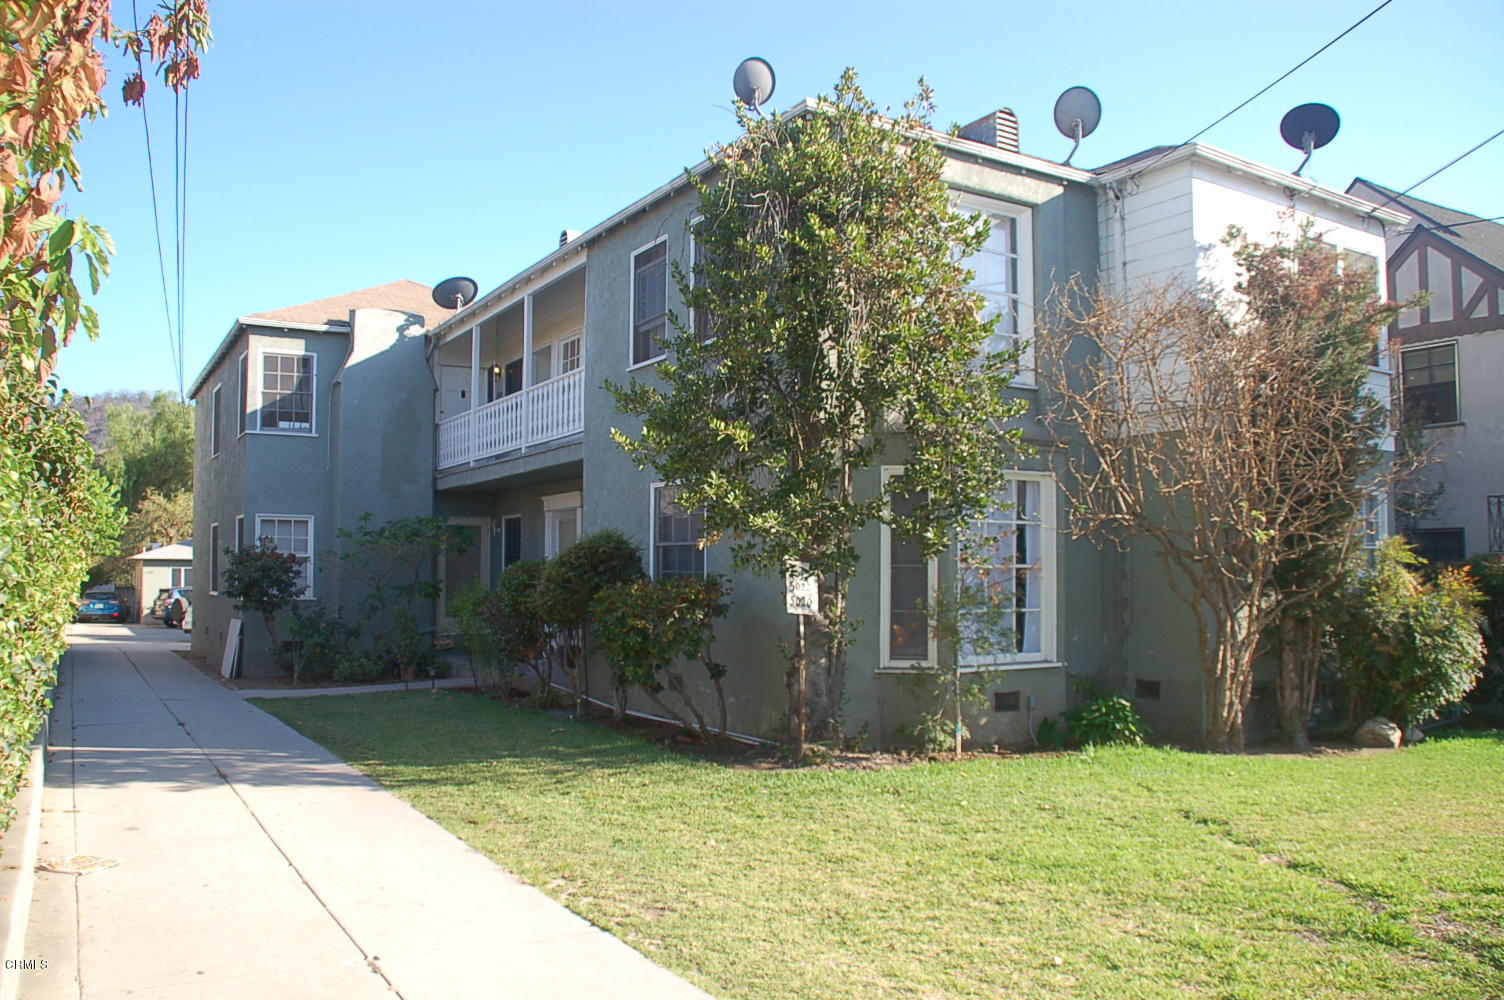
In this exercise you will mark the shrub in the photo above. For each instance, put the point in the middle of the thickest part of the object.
(647, 627)
(1105, 718)
(481, 615)
(1408, 646)
(357, 667)
(406, 648)
(57, 516)
(937, 733)
(567, 588)
(1488, 576)
(264, 581)
(521, 634)
(321, 638)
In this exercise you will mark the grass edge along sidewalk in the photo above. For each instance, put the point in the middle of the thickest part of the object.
(1120, 873)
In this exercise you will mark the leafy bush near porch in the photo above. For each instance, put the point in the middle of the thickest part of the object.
(651, 628)
(568, 585)
(482, 617)
(1488, 575)
(320, 639)
(1407, 645)
(57, 516)
(521, 634)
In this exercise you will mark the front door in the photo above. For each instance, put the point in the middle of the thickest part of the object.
(461, 570)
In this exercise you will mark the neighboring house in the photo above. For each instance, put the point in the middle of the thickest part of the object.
(1451, 360)
(306, 418)
(1163, 216)
(155, 569)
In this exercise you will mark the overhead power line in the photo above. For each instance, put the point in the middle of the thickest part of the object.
(1280, 79)
(1446, 166)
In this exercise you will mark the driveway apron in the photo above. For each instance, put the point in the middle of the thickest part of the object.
(224, 855)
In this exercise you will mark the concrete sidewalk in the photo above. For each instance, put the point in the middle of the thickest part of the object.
(249, 862)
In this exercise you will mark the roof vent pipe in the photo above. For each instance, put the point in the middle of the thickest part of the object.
(997, 128)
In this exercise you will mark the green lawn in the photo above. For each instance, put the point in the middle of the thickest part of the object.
(1120, 874)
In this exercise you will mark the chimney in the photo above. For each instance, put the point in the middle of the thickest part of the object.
(999, 128)
(568, 236)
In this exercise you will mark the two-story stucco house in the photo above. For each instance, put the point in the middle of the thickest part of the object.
(1451, 362)
(306, 418)
(496, 417)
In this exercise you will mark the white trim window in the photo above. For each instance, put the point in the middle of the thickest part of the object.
(676, 534)
(291, 533)
(649, 301)
(214, 581)
(181, 576)
(1010, 559)
(242, 381)
(287, 381)
(569, 354)
(908, 581)
(1374, 515)
(563, 514)
(216, 415)
(1004, 275)
(239, 532)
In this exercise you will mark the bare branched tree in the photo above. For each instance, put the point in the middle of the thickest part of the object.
(1231, 429)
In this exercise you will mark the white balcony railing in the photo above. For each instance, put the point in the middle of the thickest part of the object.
(542, 413)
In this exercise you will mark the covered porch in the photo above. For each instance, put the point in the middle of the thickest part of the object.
(515, 379)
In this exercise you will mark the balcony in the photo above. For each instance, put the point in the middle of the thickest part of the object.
(536, 415)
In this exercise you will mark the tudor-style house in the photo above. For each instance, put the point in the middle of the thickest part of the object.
(1451, 359)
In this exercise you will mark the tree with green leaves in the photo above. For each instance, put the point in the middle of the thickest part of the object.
(263, 580)
(150, 449)
(567, 588)
(843, 331)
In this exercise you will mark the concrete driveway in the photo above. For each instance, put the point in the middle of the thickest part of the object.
(234, 858)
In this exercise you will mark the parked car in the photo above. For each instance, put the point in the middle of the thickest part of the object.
(188, 619)
(101, 606)
(159, 606)
(178, 603)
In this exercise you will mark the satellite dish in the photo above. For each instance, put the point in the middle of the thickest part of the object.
(1078, 111)
(753, 82)
(455, 293)
(1308, 128)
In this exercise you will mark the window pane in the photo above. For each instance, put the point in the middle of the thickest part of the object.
(676, 536)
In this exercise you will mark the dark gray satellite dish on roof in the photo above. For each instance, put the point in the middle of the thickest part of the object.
(753, 82)
(455, 293)
(1078, 111)
(1308, 128)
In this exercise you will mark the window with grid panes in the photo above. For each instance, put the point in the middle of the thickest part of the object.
(1429, 379)
(676, 536)
(649, 302)
(287, 392)
(1009, 556)
(295, 535)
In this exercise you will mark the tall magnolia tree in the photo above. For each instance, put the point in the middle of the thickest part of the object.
(1232, 432)
(835, 330)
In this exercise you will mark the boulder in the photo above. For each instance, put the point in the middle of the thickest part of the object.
(1415, 735)
(1377, 732)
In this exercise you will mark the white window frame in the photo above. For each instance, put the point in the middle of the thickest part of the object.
(484, 541)
(214, 558)
(1048, 652)
(243, 389)
(239, 532)
(653, 567)
(632, 304)
(313, 402)
(885, 660)
(307, 594)
(1023, 234)
(565, 356)
(216, 415)
(554, 507)
(694, 248)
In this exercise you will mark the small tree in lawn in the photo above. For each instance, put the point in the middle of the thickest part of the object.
(1232, 432)
(834, 287)
(265, 581)
(568, 585)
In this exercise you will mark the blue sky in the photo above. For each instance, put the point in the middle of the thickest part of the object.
(334, 146)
